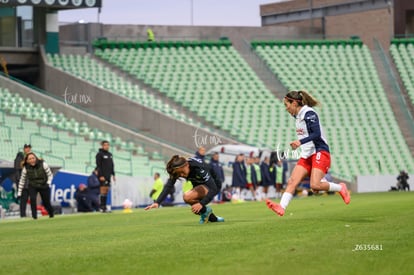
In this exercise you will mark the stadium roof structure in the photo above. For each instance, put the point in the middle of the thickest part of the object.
(54, 4)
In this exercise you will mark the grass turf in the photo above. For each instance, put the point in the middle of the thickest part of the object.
(317, 235)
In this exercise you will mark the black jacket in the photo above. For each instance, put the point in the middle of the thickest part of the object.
(18, 161)
(200, 174)
(254, 174)
(93, 184)
(218, 169)
(266, 176)
(18, 168)
(105, 164)
(239, 175)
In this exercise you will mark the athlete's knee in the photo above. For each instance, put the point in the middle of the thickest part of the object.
(292, 181)
(188, 197)
(316, 185)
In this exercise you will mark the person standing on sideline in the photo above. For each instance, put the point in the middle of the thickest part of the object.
(239, 180)
(266, 177)
(18, 167)
(315, 157)
(94, 188)
(200, 153)
(39, 178)
(251, 177)
(256, 165)
(106, 169)
(205, 186)
(217, 167)
(279, 178)
(156, 187)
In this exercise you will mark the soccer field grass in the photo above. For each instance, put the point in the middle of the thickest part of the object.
(318, 235)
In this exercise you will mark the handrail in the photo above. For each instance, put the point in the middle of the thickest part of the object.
(395, 87)
(157, 139)
(8, 130)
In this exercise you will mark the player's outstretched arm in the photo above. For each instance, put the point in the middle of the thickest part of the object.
(154, 205)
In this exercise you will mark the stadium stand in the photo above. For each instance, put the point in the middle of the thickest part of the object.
(212, 80)
(65, 142)
(363, 132)
(209, 78)
(402, 52)
(86, 68)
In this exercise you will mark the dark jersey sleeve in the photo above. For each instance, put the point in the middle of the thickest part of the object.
(215, 177)
(18, 161)
(312, 123)
(112, 165)
(168, 189)
(98, 160)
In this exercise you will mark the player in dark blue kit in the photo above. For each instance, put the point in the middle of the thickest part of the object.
(205, 186)
(105, 169)
(315, 158)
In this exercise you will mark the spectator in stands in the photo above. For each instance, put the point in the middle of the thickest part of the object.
(106, 169)
(39, 177)
(200, 153)
(315, 157)
(18, 167)
(403, 181)
(279, 178)
(94, 188)
(205, 186)
(150, 35)
(217, 167)
(85, 200)
(266, 178)
(239, 176)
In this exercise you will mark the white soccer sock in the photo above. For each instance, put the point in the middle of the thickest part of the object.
(334, 186)
(286, 197)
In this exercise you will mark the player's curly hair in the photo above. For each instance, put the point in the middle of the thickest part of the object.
(173, 164)
(302, 98)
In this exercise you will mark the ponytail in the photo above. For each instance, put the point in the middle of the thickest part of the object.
(302, 98)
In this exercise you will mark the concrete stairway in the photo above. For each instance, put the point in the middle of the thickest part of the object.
(258, 66)
(401, 106)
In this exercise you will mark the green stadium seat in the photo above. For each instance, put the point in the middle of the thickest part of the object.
(345, 73)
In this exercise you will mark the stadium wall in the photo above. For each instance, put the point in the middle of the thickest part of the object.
(287, 6)
(58, 105)
(82, 34)
(367, 25)
(380, 183)
(120, 110)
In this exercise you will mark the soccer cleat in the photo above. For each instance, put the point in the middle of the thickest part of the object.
(204, 217)
(220, 219)
(275, 207)
(344, 193)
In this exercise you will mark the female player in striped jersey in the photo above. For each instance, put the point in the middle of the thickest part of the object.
(315, 158)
